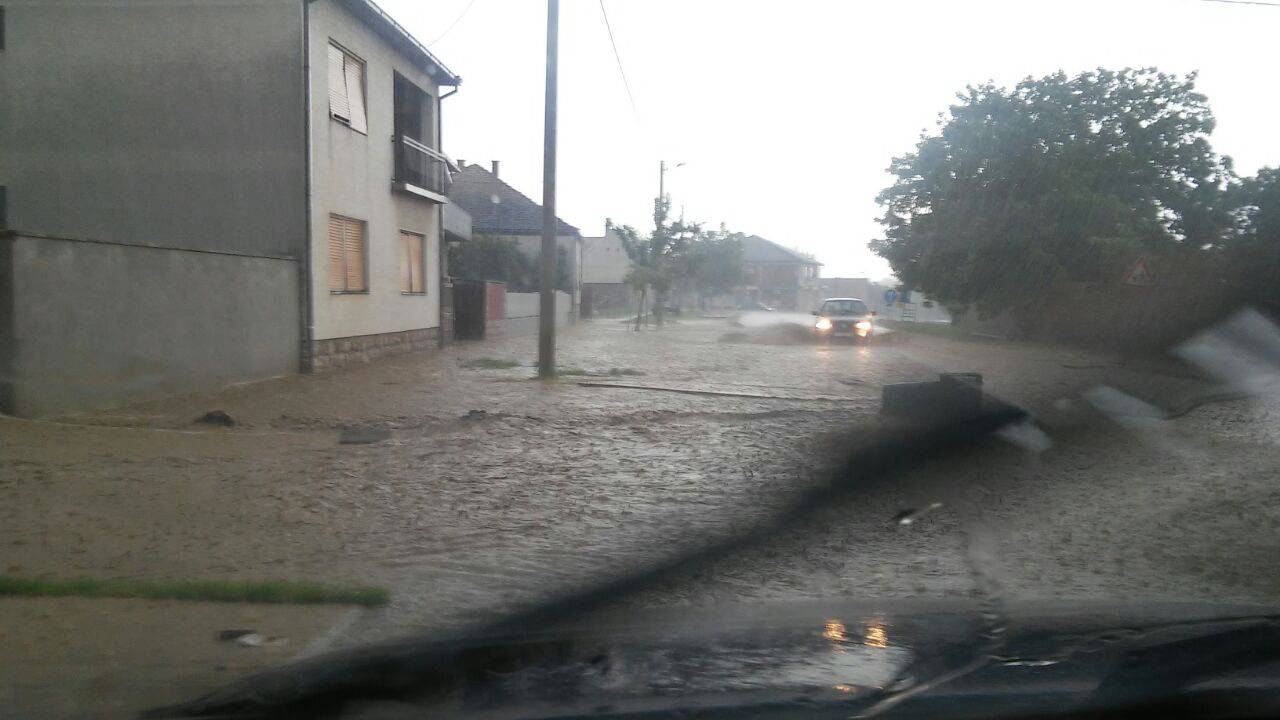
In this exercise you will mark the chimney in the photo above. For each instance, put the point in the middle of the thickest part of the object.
(495, 168)
(461, 163)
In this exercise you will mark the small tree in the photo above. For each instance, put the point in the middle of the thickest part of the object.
(656, 261)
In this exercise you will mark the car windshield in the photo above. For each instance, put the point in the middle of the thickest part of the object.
(844, 307)
(331, 324)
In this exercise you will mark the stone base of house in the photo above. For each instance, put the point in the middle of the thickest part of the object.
(338, 352)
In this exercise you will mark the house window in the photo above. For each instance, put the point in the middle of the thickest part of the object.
(414, 111)
(346, 89)
(412, 263)
(347, 255)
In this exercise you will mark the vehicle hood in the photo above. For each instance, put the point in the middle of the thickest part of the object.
(813, 656)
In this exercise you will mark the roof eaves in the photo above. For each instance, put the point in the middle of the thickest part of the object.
(379, 20)
(560, 224)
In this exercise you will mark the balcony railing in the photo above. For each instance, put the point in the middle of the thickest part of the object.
(419, 169)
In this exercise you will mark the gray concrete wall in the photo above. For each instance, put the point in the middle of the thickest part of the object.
(353, 172)
(88, 325)
(604, 260)
(527, 305)
(177, 123)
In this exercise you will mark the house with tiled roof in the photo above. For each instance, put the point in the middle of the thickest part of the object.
(499, 210)
(777, 276)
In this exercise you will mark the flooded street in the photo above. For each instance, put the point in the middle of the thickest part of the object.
(493, 490)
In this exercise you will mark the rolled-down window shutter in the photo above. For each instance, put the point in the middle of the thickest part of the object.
(406, 263)
(354, 247)
(354, 71)
(415, 263)
(337, 254)
(339, 106)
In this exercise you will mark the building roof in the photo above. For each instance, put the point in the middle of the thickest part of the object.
(393, 32)
(496, 208)
(756, 249)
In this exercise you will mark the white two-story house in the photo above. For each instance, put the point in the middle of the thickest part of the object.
(199, 193)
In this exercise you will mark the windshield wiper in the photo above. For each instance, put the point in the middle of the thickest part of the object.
(320, 685)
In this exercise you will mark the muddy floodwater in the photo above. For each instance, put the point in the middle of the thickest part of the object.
(489, 489)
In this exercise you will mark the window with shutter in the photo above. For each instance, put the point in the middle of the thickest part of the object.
(346, 89)
(338, 105)
(337, 256)
(354, 246)
(355, 93)
(346, 255)
(412, 268)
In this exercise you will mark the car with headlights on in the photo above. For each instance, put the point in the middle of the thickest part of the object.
(843, 318)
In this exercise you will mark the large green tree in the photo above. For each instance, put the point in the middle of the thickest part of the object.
(715, 262)
(1057, 179)
(1253, 255)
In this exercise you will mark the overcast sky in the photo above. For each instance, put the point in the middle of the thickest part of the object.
(787, 113)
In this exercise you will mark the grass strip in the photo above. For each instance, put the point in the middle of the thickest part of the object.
(270, 591)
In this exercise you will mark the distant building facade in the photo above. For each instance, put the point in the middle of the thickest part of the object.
(499, 210)
(777, 276)
(605, 265)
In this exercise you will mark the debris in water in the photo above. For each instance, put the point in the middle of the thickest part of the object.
(250, 640)
(910, 515)
(216, 417)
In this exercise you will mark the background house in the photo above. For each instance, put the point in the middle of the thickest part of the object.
(605, 265)
(777, 276)
(499, 210)
(182, 214)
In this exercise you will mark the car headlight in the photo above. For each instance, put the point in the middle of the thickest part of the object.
(863, 325)
(822, 324)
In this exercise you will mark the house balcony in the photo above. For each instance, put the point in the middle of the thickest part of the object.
(419, 170)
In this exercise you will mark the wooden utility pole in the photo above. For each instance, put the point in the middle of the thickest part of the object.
(547, 299)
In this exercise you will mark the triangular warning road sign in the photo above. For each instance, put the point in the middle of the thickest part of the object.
(1138, 274)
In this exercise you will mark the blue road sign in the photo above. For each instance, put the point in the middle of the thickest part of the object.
(890, 295)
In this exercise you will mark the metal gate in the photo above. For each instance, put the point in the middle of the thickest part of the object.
(469, 310)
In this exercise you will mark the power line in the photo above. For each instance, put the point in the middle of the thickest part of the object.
(616, 56)
(452, 24)
(1244, 2)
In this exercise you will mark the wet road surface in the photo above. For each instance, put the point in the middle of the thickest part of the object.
(494, 490)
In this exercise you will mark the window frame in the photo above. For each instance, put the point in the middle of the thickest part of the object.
(426, 279)
(364, 256)
(348, 55)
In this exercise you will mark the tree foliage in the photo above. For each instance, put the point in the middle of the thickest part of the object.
(715, 262)
(1057, 179)
(487, 257)
(679, 252)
